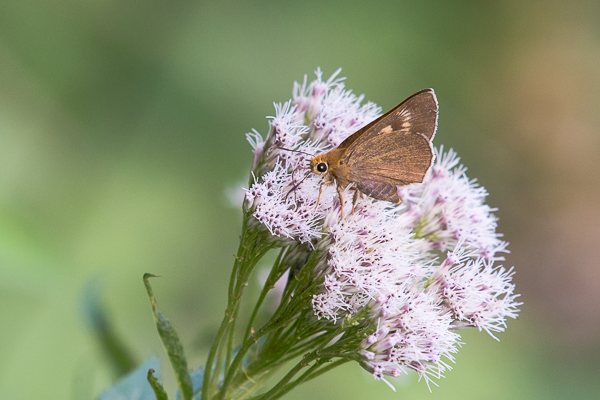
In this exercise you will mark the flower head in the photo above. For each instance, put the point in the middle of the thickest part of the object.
(477, 292)
(415, 333)
(449, 207)
(286, 205)
(418, 271)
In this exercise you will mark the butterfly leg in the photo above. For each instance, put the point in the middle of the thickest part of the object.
(340, 193)
(295, 186)
(319, 195)
(293, 189)
(355, 199)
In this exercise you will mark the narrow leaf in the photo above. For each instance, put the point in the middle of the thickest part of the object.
(170, 340)
(197, 378)
(159, 391)
(111, 344)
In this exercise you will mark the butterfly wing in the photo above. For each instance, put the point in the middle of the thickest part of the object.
(394, 150)
(416, 114)
(389, 160)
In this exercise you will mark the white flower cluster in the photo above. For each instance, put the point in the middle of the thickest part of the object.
(416, 333)
(371, 255)
(449, 207)
(286, 205)
(423, 268)
(284, 198)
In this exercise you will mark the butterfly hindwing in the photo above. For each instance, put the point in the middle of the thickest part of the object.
(392, 158)
(379, 190)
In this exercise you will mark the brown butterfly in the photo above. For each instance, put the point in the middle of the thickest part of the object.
(393, 150)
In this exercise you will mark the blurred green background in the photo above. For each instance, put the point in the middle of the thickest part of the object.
(121, 128)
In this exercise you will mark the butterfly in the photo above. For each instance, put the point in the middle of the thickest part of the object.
(393, 150)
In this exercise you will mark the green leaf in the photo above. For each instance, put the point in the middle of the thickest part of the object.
(170, 340)
(197, 378)
(111, 344)
(159, 391)
(135, 385)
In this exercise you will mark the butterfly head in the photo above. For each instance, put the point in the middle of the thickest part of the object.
(319, 165)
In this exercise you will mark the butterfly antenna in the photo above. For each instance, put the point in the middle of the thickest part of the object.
(295, 185)
(294, 151)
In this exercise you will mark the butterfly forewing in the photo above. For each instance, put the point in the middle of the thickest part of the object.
(394, 150)
(416, 114)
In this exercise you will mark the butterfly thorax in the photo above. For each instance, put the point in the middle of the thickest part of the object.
(330, 166)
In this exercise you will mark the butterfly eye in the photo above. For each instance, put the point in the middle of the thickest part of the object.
(322, 167)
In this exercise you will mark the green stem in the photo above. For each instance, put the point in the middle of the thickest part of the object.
(331, 365)
(248, 341)
(274, 275)
(278, 323)
(282, 353)
(291, 373)
(309, 374)
(281, 389)
(208, 371)
(252, 247)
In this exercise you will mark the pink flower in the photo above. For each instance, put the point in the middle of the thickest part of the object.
(383, 258)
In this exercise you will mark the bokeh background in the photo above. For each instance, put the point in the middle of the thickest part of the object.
(121, 130)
